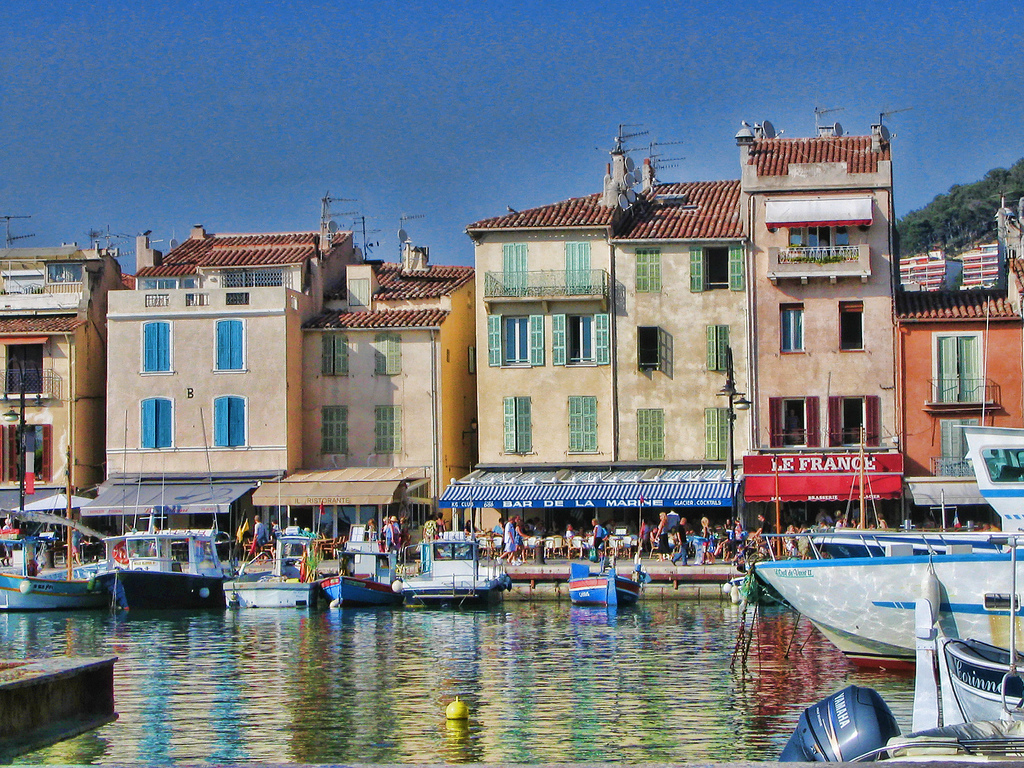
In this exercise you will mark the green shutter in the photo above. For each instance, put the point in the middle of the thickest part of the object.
(394, 354)
(577, 268)
(648, 271)
(711, 346)
(971, 390)
(558, 339)
(582, 424)
(948, 385)
(510, 425)
(602, 339)
(387, 429)
(340, 354)
(717, 347)
(716, 434)
(524, 426)
(575, 424)
(334, 429)
(736, 267)
(590, 424)
(326, 354)
(536, 340)
(650, 424)
(493, 340)
(515, 268)
(696, 269)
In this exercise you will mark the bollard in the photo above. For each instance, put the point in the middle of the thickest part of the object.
(538, 552)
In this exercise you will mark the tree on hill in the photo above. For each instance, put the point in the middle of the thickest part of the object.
(964, 216)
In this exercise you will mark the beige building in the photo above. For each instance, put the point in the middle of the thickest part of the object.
(53, 332)
(819, 213)
(389, 392)
(206, 381)
(603, 329)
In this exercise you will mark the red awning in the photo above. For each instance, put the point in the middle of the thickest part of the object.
(822, 477)
(9, 340)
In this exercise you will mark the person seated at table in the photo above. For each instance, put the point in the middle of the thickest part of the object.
(573, 541)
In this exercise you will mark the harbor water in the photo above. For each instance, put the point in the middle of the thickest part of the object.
(545, 683)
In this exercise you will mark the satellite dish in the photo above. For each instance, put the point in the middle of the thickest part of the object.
(403, 236)
(837, 129)
(883, 132)
(629, 180)
(768, 129)
(630, 165)
(631, 195)
(332, 226)
(173, 243)
(623, 202)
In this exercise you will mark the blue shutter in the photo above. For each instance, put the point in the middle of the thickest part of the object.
(149, 423)
(236, 421)
(220, 422)
(157, 346)
(163, 346)
(603, 339)
(229, 345)
(163, 424)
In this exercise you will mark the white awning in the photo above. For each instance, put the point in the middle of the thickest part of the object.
(165, 498)
(934, 493)
(821, 212)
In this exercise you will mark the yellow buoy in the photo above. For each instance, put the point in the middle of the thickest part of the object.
(457, 710)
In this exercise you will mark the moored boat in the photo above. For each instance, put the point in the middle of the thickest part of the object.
(288, 580)
(451, 574)
(367, 578)
(164, 569)
(602, 587)
(25, 588)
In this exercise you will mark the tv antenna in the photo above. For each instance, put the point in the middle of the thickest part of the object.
(882, 130)
(361, 221)
(403, 236)
(621, 137)
(658, 159)
(325, 211)
(7, 223)
(95, 235)
(822, 130)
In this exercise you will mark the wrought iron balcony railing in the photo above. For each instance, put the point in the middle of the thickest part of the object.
(949, 391)
(38, 383)
(827, 261)
(947, 466)
(546, 284)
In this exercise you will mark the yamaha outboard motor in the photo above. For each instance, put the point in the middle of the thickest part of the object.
(843, 727)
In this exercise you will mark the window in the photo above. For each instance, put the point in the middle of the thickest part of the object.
(577, 268)
(518, 425)
(818, 237)
(957, 365)
(648, 271)
(158, 284)
(230, 341)
(851, 325)
(157, 424)
(580, 339)
(334, 429)
(791, 317)
(387, 354)
(156, 355)
(229, 422)
(793, 422)
(582, 424)
(387, 429)
(515, 268)
(359, 293)
(63, 273)
(954, 461)
(650, 434)
(334, 354)
(851, 419)
(653, 349)
(25, 366)
(716, 434)
(515, 340)
(718, 347)
(38, 452)
(236, 299)
(715, 267)
(253, 278)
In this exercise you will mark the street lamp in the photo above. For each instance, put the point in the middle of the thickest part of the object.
(18, 417)
(737, 402)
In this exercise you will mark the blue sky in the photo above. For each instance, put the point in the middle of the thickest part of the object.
(242, 115)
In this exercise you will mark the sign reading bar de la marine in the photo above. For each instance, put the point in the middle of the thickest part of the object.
(822, 476)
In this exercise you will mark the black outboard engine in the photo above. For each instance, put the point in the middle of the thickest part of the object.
(843, 727)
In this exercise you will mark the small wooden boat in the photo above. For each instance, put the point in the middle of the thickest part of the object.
(602, 588)
(50, 591)
(288, 580)
(368, 578)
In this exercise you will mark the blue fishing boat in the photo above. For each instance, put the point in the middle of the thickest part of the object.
(367, 578)
(602, 588)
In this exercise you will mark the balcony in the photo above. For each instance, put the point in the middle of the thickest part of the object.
(826, 262)
(948, 466)
(951, 394)
(546, 285)
(38, 384)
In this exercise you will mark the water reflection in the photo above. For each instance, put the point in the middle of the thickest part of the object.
(544, 682)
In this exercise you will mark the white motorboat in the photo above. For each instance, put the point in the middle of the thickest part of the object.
(997, 455)
(288, 580)
(451, 574)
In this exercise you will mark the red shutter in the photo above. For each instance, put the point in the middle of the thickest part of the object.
(835, 420)
(775, 422)
(813, 421)
(873, 417)
(45, 473)
(12, 452)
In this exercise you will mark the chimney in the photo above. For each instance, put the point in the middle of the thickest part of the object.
(879, 137)
(414, 258)
(648, 176)
(614, 179)
(197, 233)
(145, 256)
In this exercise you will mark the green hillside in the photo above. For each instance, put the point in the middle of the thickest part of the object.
(963, 216)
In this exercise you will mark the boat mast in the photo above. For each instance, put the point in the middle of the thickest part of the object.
(863, 516)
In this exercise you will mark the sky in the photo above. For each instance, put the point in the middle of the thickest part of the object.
(126, 117)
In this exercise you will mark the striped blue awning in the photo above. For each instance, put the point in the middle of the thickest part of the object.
(569, 495)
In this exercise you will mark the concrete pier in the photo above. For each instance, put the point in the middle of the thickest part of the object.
(550, 581)
(48, 700)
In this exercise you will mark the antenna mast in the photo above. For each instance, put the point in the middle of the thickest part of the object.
(7, 223)
(403, 236)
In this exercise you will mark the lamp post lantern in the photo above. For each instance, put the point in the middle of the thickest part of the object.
(737, 402)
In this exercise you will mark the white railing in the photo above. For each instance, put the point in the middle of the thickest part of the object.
(821, 255)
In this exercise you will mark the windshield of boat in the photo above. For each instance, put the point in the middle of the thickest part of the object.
(1005, 465)
(453, 550)
(142, 548)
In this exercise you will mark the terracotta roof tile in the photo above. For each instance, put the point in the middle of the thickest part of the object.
(128, 281)
(40, 324)
(390, 318)
(953, 305)
(688, 210)
(239, 251)
(436, 282)
(575, 212)
(772, 157)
